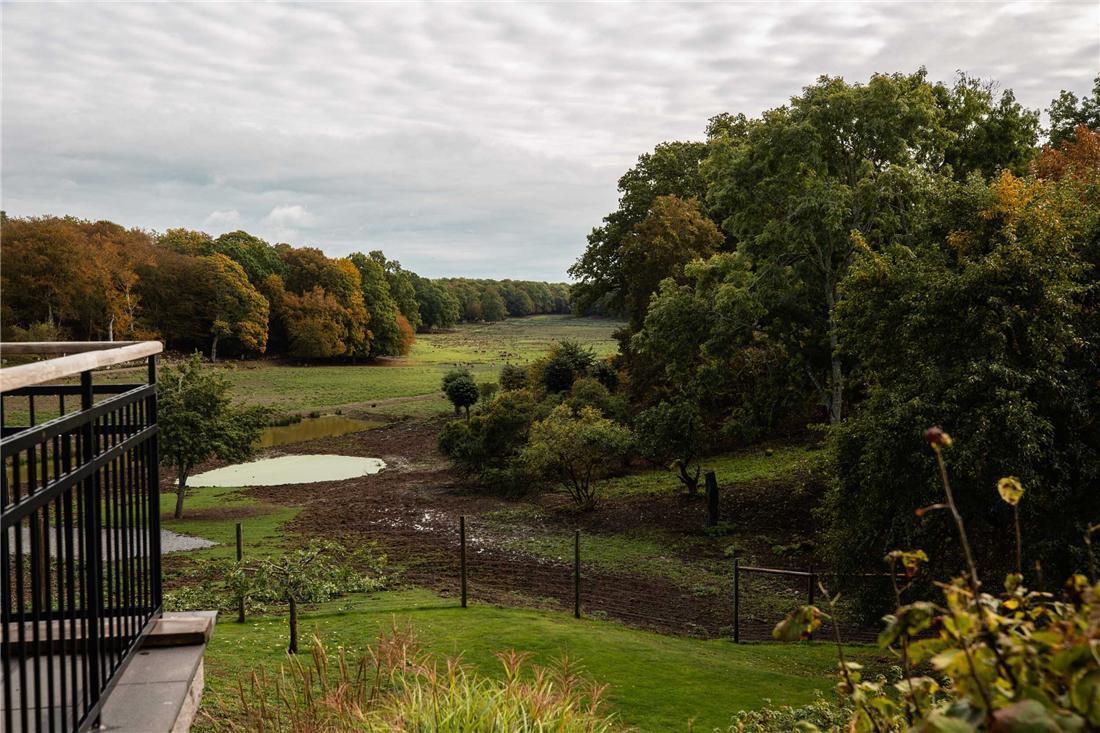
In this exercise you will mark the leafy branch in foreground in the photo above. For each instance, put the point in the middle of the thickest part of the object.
(1014, 662)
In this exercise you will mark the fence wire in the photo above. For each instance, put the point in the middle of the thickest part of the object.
(644, 600)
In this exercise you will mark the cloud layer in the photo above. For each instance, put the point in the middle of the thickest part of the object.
(473, 139)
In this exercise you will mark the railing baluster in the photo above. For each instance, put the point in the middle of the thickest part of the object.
(79, 549)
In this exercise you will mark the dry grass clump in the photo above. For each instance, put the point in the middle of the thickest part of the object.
(394, 686)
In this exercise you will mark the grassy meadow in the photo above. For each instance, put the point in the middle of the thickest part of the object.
(658, 682)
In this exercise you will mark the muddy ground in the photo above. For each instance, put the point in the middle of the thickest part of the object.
(411, 511)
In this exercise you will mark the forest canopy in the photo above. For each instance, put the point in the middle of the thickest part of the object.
(233, 294)
(870, 259)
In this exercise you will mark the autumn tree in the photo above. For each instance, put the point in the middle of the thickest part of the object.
(236, 309)
(1067, 112)
(380, 304)
(673, 233)
(672, 169)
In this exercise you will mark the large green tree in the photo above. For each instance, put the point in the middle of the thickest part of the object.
(843, 166)
(993, 333)
(672, 169)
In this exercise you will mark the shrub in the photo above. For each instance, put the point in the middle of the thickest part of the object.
(671, 434)
(565, 363)
(487, 391)
(821, 714)
(587, 392)
(1014, 661)
(512, 377)
(490, 442)
(576, 451)
(606, 374)
(395, 686)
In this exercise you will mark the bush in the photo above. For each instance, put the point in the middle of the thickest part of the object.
(1014, 661)
(490, 442)
(565, 363)
(821, 714)
(487, 391)
(395, 686)
(606, 374)
(576, 451)
(671, 434)
(512, 377)
(587, 392)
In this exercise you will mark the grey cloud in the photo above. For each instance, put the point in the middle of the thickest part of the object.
(476, 139)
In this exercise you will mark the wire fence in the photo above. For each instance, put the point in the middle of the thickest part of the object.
(742, 603)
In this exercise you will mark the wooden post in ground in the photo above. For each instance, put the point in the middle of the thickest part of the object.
(240, 559)
(712, 499)
(810, 595)
(462, 555)
(736, 600)
(577, 574)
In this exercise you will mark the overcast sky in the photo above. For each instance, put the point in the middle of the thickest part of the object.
(463, 139)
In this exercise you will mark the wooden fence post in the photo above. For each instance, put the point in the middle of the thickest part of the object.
(736, 601)
(810, 595)
(712, 499)
(462, 555)
(240, 559)
(577, 574)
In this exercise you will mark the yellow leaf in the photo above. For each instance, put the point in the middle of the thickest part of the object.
(1010, 489)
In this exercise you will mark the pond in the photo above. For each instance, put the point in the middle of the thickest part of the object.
(289, 470)
(312, 428)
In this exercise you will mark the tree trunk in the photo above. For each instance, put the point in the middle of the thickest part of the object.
(293, 648)
(836, 373)
(214, 350)
(181, 489)
(691, 483)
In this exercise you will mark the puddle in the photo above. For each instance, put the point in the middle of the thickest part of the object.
(289, 470)
(312, 428)
(169, 542)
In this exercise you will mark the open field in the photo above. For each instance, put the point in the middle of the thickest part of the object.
(649, 564)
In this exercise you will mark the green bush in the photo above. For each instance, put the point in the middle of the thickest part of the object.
(512, 377)
(488, 445)
(576, 451)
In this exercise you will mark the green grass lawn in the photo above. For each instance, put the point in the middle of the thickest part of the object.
(213, 512)
(483, 348)
(657, 682)
(738, 467)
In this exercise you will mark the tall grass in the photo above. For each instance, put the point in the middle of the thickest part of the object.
(394, 686)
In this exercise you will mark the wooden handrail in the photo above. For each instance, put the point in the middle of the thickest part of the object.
(82, 356)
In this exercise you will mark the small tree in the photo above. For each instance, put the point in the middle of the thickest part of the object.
(461, 390)
(576, 450)
(671, 434)
(315, 574)
(198, 422)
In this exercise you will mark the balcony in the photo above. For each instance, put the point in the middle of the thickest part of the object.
(83, 640)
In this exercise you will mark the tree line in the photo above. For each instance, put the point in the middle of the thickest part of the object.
(235, 294)
(870, 259)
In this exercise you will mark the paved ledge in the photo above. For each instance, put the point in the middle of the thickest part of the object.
(160, 690)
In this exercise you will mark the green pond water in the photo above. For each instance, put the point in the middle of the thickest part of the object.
(312, 428)
(289, 470)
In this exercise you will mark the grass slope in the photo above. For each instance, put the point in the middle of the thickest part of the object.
(657, 682)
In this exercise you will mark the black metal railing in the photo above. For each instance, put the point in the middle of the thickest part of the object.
(80, 565)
